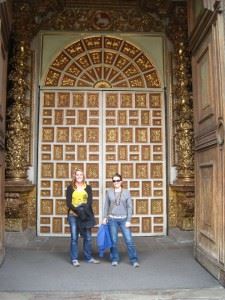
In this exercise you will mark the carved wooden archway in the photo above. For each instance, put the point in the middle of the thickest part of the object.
(102, 61)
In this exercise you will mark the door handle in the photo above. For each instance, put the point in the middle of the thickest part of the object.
(220, 132)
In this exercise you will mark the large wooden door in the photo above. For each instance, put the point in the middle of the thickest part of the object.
(102, 132)
(208, 81)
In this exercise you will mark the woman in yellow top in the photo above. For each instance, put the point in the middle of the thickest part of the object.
(80, 217)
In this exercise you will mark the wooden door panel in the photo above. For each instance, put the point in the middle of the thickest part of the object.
(208, 95)
(207, 203)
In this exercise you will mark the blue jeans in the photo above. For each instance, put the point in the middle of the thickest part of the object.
(87, 240)
(114, 225)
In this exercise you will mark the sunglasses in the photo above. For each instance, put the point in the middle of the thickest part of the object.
(117, 180)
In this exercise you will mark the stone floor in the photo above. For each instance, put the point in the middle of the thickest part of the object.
(39, 268)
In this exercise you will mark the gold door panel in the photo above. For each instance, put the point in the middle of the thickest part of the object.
(102, 133)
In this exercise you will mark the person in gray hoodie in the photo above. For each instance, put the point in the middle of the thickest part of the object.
(117, 213)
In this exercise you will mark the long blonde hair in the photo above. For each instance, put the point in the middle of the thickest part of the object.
(74, 179)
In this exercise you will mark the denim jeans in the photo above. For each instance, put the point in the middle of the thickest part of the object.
(87, 240)
(114, 226)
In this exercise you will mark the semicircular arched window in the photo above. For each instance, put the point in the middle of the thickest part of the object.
(102, 62)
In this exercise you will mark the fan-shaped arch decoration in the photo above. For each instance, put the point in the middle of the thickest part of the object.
(102, 62)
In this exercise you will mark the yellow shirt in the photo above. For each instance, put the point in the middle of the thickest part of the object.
(79, 197)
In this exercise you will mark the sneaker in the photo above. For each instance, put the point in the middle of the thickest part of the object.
(114, 263)
(94, 261)
(136, 265)
(75, 263)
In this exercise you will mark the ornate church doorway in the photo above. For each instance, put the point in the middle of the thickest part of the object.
(102, 109)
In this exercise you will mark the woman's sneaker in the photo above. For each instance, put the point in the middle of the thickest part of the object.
(75, 263)
(136, 265)
(94, 261)
(114, 263)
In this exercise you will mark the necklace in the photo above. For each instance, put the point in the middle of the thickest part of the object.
(117, 197)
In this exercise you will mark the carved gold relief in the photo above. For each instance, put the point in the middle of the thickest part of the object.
(59, 117)
(122, 152)
(61, 61)
(92, 135)
(61, 207)
(49, 99)
(47, 134)
(92, 170)
(156, 170)
(155, 135)
(142, 207)
(156, 206)
(78, 100)
(93, 100)
(47, 170)
(141, 170)
(126, 135)
(155, 101)
(58, 152)
(140, 101)
(111, 169)
(46, 207)
(57, 225)
(127, 170)
(146, 188)
(81, 152)
(112, 135)
(62, 170)
(126, 100)
(146, 224)
(141, 135)
(62, 135)
(57, 189)
(87, 72)
(77, 135)
(146, 152)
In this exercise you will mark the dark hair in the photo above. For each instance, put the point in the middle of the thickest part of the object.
(117, 175)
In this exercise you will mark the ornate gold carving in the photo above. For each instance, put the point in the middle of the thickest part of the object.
(146, 224)
(155, 101)
(146, 152)
(57, 189)
(156, 170)
(183, 117)
(141, 135)
(146, 188)
(62, 135)
(92, 170)
(126, 135)
(155, 135)
(92, 135)
(127, 170)
(62, 170)
(99, 67)
(141, 170)
(57, 225)
(77, 135)
(142, 207)
(140, 100)
(46, 207)
(112, 135)
(156, 206)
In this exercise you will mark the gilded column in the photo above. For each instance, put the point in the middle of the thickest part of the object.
(17, 122)
(18, 188)
(183, 119)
